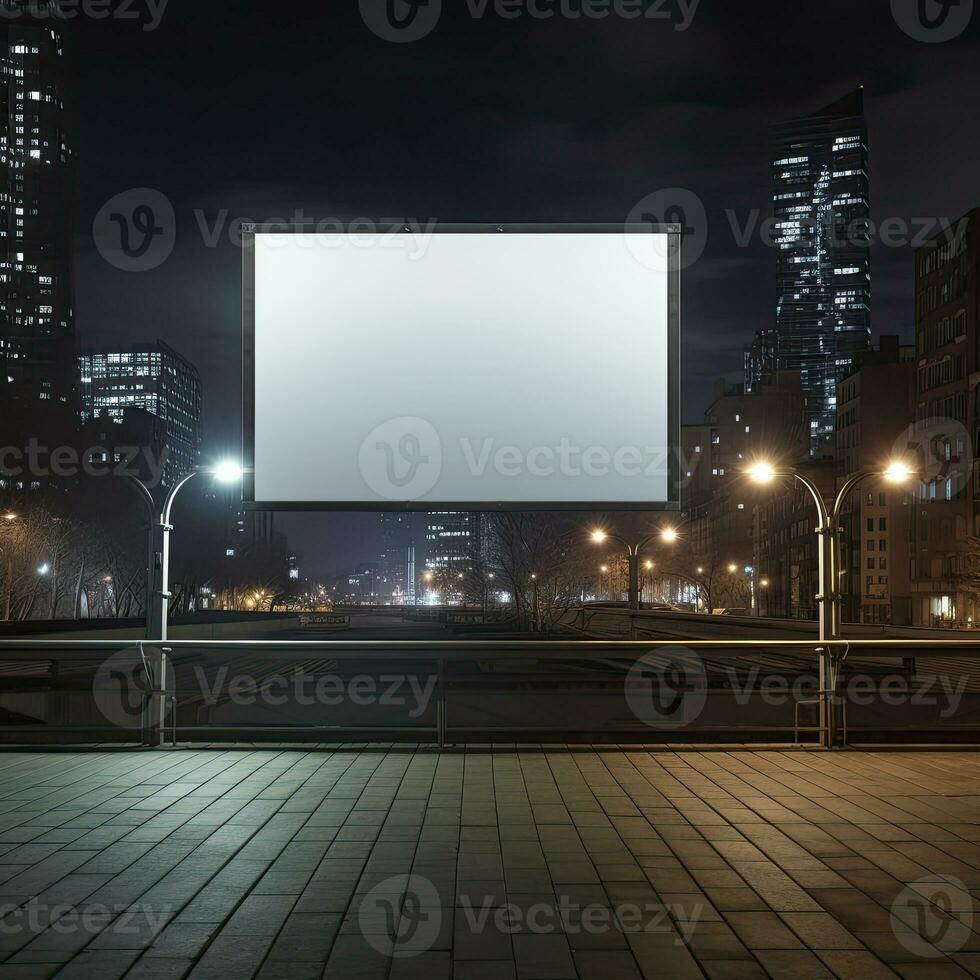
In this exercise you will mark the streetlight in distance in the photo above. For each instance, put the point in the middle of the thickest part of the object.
(667, 534)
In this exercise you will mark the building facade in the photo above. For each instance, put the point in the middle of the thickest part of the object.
(37, 332)
(717, 497)
(822, 212)
(874, 408)
(945, 531)
(156, 379)
(454, 546)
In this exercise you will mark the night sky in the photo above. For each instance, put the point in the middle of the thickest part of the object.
(251, 110)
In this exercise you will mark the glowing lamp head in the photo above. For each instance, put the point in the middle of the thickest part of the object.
(227, 471)
(762, 472)
(898, 472)
(44, 569)
(10, 517)
(669, 535)
(599, 536)
(732, 569)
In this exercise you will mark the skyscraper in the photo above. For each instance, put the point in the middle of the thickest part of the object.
(397, 559)
(453, 541)
(156, 379)
(37, 337)
(822, 211)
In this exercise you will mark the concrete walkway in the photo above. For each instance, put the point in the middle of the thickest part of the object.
(366, 862)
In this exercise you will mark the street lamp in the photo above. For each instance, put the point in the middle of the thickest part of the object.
(828, 570)
(829, 599)
(667, 534)
(158, 565)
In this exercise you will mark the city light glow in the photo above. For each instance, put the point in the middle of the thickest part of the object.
(227, 471)
(898, 472)
(762, 472)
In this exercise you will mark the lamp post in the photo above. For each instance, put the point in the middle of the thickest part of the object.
(158, 565)
(8, 522)
(828, 570)
(158, 587)
(633, 552)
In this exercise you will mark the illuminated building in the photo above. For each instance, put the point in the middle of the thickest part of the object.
(36, 317)
(155, 378)
(821, 207)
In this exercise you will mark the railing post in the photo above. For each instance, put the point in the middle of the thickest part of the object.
(441, 705)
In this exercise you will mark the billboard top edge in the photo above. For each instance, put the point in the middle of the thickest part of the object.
(368, 226)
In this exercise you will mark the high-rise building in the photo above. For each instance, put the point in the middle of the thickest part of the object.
(396, 567)
(946, 523)
(822, 211)
(37, 338)
(156, 379)
(453, 541)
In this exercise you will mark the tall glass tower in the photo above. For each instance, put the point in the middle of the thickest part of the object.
(822, 210)
(37, 336)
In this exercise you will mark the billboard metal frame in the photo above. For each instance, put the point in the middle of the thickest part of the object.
(673, 232)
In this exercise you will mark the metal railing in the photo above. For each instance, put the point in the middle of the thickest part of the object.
(518, 690)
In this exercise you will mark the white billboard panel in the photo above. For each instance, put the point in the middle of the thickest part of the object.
(465, 366)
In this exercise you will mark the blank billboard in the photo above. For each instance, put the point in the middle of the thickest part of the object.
(472, 367)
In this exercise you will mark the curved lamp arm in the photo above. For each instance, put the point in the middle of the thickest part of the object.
(817, 499)
(169, 503)
(143, 492)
